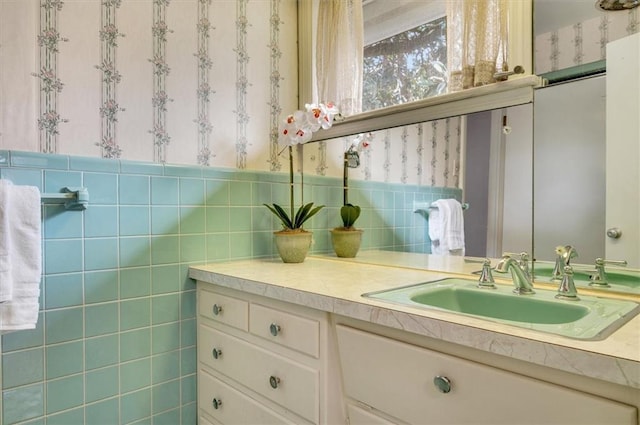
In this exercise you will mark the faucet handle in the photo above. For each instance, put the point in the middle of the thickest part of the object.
(522, 256)
(599, 277)
(486, 277)
(602, 262)
(567, 289)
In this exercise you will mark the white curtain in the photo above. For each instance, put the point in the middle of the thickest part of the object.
(476, 41)
(339, 54)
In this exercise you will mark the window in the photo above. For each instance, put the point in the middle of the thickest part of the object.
(405, 53)
(407, 66)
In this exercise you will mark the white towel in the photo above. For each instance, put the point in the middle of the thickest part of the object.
(20, 255)
(6, 282)
(446, 227)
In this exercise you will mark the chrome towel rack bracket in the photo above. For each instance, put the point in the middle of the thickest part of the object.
(73, 198)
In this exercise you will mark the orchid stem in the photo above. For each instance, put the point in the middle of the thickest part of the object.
(345, 179)
(291, 180)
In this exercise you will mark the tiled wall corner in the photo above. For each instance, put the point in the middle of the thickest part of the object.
(116, 334)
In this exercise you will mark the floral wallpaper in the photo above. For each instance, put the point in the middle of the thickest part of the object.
(194, 82)
(203, 91)
(49, 40)
(583, 42)
(110, 78)
(425, 154)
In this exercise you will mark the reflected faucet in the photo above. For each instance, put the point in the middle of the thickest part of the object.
(521, 280)
(564, 254)
(599, 278)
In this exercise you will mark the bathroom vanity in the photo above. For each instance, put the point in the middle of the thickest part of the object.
(298, 343)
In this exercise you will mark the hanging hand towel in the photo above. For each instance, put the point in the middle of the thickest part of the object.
(6, 283)
(20, 242)
(446, 227)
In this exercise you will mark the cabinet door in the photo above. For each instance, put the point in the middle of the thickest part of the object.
(230, 406)
(398, 379)
(623, 149)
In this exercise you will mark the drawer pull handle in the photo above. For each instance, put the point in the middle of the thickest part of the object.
(216, 352)
(274, 329)
(274, 382)
(442, 383)
(217, 309)
(217, 403)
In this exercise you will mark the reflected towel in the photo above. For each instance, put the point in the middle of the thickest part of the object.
(446, 227)
(21, 255)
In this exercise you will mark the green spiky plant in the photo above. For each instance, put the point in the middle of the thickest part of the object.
(294, 220)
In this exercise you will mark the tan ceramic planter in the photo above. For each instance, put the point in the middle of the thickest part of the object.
(293, 245)
(346, 243)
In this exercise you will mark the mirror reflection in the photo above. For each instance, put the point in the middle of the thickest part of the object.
(571, 205)
(484, 160)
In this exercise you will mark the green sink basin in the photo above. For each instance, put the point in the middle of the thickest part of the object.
(588, 318)
(629, 279)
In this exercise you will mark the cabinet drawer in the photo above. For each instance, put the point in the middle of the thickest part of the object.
(203, 421)
(221, 308)
(287, 383)
(296, 332)
(398, 379)
(359, 416)
(231, 406)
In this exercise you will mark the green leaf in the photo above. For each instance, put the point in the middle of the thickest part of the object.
(311, 213)
(301, 214)
(279, 212)
(349, 214)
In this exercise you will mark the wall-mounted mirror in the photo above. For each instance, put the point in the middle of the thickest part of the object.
(570, 41)
(576, 154)
(516, 91)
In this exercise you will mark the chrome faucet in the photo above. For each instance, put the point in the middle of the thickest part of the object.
(564, 254)
(519, 272)
(486, 278)
(599, 278)
(567, 289)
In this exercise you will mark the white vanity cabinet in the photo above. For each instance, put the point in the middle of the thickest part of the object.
(390, 381)
(262, 361)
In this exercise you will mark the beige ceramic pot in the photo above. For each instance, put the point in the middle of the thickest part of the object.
(346, 243)
(293, 245)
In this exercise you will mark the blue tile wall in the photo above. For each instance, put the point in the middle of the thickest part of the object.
(115, 340)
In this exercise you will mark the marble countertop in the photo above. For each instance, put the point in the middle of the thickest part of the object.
(335, 286)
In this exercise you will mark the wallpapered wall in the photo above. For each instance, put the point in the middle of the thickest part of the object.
(175, 81)
(583, 42)
(423, 154)
(195, 82)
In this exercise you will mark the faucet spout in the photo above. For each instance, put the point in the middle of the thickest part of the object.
(521, 282)
(566, 252)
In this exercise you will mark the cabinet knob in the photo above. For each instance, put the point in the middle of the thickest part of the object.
(217, 403)
(442, 383)
(274, 329)
(216, 352)
(217, 309)
(274, 382)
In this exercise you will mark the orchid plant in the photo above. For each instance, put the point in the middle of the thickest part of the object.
(349, 212)
(295, 129)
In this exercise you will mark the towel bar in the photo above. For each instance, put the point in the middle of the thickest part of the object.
(425, 212)
(73, 198)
